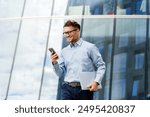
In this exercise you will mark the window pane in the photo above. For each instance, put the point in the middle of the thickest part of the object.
(50, 81)
(118, 89)
(109, 7)
(139, 61)
(129, 53)
(131, 7)
(8, 32)
(120, 62)
(123, 40)
(106, 94)
(11, 8)
(26, 76)
(75, 7)
(119, 76)
(140, 34)
(99, 32)
(138, 88)
(60, 7)
(91, 7)
(38, 8)
(135, 88)
(94, 7)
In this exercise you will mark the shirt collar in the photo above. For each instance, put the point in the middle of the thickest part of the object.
(78, 43)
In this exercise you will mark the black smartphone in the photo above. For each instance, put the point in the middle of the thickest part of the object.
(52, 51)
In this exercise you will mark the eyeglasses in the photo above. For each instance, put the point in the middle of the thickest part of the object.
(67, 33)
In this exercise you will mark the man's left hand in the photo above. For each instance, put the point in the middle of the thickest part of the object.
(93, 86)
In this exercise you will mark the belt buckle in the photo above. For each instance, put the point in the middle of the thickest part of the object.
(74, 84)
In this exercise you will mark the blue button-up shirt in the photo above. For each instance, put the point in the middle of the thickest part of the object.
(80, 57)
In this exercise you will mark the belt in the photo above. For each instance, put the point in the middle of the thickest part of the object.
(73, 84)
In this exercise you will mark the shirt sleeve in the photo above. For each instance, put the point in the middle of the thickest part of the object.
(98, 63)
(59, 67)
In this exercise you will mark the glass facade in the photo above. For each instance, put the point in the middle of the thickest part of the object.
(119, 28)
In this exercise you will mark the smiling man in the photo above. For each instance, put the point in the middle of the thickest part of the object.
(78, 56)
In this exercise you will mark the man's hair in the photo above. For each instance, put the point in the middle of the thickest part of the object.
(72, 23)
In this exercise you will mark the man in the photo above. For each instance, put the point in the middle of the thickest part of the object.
(78, 56)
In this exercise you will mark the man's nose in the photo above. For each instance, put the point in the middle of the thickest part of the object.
(67, 35)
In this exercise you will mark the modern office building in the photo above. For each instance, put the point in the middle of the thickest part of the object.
(119, 28)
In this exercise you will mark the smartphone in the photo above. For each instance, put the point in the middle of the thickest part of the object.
(52, 51)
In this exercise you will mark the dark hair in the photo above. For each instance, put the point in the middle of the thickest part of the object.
(72, 23)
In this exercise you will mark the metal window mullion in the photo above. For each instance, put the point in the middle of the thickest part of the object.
(16, 47)
(113, 52)
(82, 19)
(112, 58)
(45, 55)
(147, 7)
(146, 58)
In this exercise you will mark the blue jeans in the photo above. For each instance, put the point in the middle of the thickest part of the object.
(75, 93)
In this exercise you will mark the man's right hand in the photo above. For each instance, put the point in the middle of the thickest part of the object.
(54, 58)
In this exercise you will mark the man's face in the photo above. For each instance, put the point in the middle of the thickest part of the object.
(72, 34)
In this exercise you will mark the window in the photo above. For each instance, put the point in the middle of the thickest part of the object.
(123, 40)
(139, 61)
(138, 87)
(135, 88)
(140, 35)
(27, 71)
(8, 39)
(131, 7)
(118, 89)
(11, 8)
(120, 61)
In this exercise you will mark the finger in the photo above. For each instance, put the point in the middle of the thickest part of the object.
(54, 56)
(90, 88)
(93, 88)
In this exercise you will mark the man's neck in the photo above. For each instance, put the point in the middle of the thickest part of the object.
(75, 41)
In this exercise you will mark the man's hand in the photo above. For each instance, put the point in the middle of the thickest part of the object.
(54, 58)
(93, 86)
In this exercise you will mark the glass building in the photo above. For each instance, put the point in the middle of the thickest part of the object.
(119, 28)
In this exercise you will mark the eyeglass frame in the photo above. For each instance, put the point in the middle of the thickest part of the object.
(68, 32)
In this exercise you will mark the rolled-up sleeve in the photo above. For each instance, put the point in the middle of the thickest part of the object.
(98, 63)
(59, 67)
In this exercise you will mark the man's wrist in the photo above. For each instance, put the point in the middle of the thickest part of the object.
(54, 63)
(97, 83)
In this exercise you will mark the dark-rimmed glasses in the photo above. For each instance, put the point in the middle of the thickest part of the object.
(67, 33)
